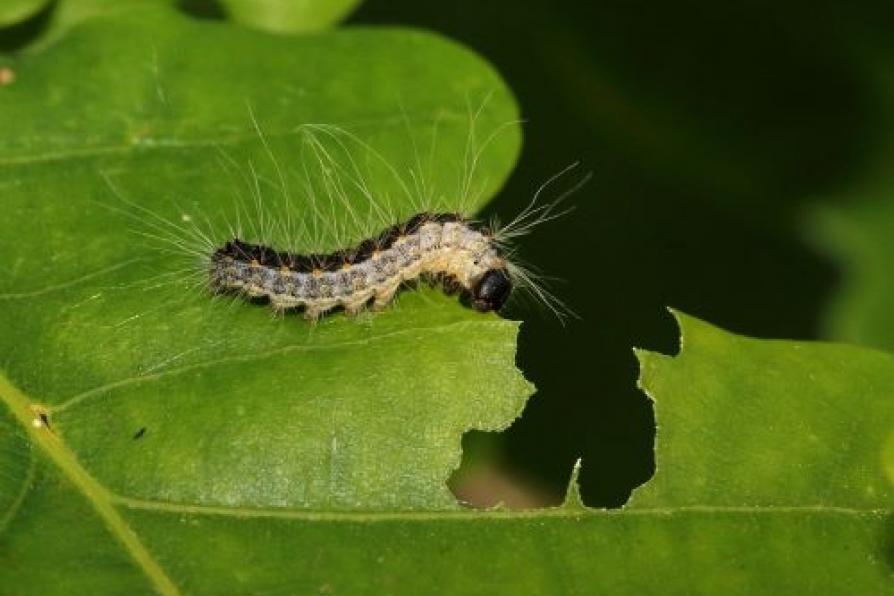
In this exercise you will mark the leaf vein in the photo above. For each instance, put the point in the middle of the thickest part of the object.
(255, 357)
(469, 514)
(213, 139)
(96, 494)
(67, 284)
(19, 501)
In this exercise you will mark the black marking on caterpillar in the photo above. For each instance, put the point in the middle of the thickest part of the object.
(231, 250)
(438, 246)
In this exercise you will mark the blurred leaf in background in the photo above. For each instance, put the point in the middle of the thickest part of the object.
(855, 227)
(42, 21)
(288, 15)
(15, 11)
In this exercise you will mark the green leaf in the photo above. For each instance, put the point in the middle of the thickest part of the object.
(159, 396)
(853, 229)
(156, 440)
(14, 11)
(857, 235)
(782, 417)
(289, 15)
(271, 15)
(65, 14)
(771, 456)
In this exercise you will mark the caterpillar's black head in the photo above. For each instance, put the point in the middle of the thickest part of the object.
(491, 290)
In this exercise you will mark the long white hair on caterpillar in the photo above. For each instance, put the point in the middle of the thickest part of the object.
(322, 236)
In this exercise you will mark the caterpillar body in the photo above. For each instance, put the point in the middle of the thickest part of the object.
(439, 246)
(277, 247)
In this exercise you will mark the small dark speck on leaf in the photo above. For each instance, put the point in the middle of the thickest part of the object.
(139, 434)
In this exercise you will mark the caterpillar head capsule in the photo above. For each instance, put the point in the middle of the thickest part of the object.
(492, 290)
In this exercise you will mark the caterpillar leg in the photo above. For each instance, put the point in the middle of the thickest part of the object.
(313, 313)
(355, 307)
(319, 308)
(450, 285)
(281, 304)
(384, 297)
(253, 291)
(357, 301)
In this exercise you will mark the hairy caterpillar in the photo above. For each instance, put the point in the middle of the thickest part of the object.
(285, 255)
(441, 246)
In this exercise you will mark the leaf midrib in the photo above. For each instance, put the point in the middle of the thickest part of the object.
(565, 511)
(98, 497)
(106, 503)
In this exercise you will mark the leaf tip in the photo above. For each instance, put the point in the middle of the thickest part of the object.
(648, 362)
(573, 498)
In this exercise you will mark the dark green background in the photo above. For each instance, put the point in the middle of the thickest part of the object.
(709, 128)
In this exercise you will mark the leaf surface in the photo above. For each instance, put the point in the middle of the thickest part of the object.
(289, 15)
(172, 443)
(14, 11)
(157, 393)
(856, 234)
